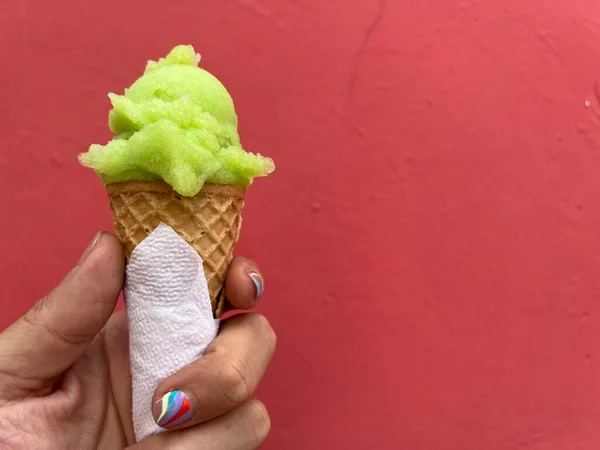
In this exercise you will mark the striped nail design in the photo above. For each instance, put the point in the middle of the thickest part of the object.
(258, 282)
(173, 408)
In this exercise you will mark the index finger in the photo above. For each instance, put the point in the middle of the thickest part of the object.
(244, 284)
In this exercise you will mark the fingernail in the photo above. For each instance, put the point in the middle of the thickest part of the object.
(258, 281)
(174, 408)
(90, 248)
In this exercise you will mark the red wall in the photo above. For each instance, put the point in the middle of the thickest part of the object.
(431, 237)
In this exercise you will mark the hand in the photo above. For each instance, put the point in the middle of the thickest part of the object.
(64, 368)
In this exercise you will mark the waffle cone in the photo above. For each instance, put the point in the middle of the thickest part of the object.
(210, 222)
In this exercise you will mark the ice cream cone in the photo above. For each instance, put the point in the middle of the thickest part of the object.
(210, 222)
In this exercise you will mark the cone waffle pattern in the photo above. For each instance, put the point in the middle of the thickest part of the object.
(210, 222)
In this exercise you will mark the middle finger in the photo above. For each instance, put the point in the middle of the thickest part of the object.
(222, 380)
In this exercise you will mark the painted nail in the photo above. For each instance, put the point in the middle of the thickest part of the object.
(258, 281)
(90, 248)
(174, 408)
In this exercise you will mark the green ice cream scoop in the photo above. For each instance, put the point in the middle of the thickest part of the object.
(177, 123)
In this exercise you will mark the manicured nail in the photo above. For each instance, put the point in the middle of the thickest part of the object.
(90, 248)
(173, 408)
(258, 281)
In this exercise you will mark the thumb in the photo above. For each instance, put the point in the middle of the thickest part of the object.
(49, 338)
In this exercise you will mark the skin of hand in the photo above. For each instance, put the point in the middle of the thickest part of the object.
(64, 368)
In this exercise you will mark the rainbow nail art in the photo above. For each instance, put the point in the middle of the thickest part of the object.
(258, 282)
(174, 408)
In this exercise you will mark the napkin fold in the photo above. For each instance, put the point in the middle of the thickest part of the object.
(169, 316)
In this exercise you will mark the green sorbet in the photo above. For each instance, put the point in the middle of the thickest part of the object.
(177, 123)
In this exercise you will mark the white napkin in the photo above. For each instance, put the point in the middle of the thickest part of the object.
(170, 316)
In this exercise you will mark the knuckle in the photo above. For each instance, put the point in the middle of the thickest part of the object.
(39, 316)
(67, 338)
(32, 317)
(259, 420)
(262, 324)
(234, 383)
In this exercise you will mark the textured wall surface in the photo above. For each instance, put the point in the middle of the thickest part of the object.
(431, 238)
